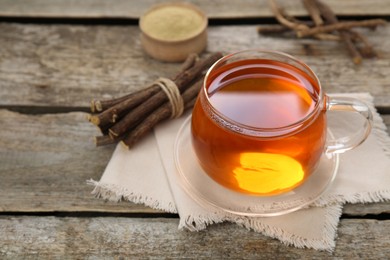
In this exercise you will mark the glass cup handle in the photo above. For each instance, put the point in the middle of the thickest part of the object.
(343, 144)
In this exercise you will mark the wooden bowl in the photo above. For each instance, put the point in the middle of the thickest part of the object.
(171, 31)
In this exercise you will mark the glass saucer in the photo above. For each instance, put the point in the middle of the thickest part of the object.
(204, 190)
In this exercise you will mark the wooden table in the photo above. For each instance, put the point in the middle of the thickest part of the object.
(57, 55)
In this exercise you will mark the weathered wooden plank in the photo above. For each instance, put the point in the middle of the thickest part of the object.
(366, 209)
(45, 161)
(214, 9)
(66, 66)
(50, 237)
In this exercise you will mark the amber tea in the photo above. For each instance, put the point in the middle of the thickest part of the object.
(259, 94)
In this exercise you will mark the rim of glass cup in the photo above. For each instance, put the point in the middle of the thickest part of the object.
(257, 131)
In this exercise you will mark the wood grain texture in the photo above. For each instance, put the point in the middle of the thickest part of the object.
(214, 9)
(68, 65)
(133, 238)
(45, 161)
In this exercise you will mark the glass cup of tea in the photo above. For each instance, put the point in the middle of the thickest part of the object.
(259, 125)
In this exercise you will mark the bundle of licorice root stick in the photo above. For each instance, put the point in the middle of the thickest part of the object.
(128, 118)
(325, 25)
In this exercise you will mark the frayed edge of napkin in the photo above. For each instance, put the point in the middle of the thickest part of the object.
(199, 222)
(379, 129)
(326, 243)
(115, 193)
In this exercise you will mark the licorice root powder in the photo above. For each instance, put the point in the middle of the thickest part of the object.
(173, 23)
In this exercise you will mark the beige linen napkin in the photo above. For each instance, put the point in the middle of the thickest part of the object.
(146, 174)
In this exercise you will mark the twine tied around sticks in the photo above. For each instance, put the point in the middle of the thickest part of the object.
(172, 91)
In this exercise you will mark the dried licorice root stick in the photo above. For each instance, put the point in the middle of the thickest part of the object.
(105, 140)
(314, 12)
(331, 18)
(189, 62)
(270, 29)
(102, 105)
(139, 113)
(283, 20)
(323, 26)
(366, 50)
(160, 114)
(350, 37)
(114, 109)
(337, 26)
(142, 129)
(296, 25)
(113, 113)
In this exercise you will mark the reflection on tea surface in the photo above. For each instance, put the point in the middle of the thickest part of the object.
(267, 173)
